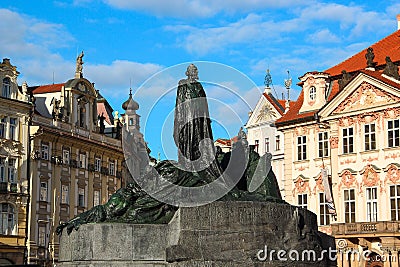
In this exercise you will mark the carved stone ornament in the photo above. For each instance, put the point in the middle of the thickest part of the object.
(347, 180)
(319, 186)
(392, 113)
(370, 177)
(266, 113)
(301, 186)
(392, 174)
(11, 147)
(366, 95)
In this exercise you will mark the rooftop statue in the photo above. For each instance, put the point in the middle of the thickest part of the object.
(199, 164)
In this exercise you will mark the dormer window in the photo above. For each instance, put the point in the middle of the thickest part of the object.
(6, 92)
(313, 93)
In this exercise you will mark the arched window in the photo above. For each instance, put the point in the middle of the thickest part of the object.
(7, 220)
(6, 92)
(313, 93)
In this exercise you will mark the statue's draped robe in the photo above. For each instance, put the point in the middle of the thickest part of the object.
(192, 131)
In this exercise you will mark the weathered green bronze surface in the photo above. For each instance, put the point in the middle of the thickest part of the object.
(197, 165)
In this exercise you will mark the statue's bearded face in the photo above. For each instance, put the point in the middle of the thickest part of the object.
(192, 73)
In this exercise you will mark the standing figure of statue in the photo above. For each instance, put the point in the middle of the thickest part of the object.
(192, 127)
(79, 63)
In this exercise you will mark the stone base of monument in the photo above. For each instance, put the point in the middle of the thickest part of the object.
(221, 234)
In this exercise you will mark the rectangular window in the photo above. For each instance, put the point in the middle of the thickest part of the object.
(348, 139)
(372, 204)
(66, 156)
(302, 201)
(64, 194)
(323, 145)
(277, 143)
(267, 145)
(256, 145)
(97, 164)
(13, 129)
(3, 127)
(42, 236)
(43, 191)
(324, 218)
(111, 168)
(45, 151)
(302, 147)
(395, 202)
(3, 169)
(349, 206)
(369, 135)
(96, 198)
(393, 133)
(82, 160)
(81, 197)
(11, 170)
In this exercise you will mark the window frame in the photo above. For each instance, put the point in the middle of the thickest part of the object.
(44, 151)
(9, 214)
(369, 137)
(348, 140)
(302, 200)
(277, 142)
(302, 147)
(394, 199)
(267, 144)
(6, 88)
(43, 191)
(81, 197)
(323, 144)
(394, 129)
(312, 93)
(64, 194)
(324, 215)
(350, 213)
(372, 203)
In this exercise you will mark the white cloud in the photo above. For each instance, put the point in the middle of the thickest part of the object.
(323, 36)
(114, 79)
(198, 8)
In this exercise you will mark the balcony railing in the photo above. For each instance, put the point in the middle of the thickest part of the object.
(366, 228)
(6, 187)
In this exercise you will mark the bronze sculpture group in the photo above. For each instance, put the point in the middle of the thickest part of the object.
(199, 163)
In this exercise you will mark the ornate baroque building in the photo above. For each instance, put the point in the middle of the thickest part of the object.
(77, 157)
(15, 110)
(343, 134)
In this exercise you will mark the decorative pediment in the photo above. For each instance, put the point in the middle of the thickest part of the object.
(370, 176)
(392, 173)
(348, 179)
(301, 185)
(264, 112)
(365, 96)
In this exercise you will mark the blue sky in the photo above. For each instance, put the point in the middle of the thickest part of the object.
(149, 43)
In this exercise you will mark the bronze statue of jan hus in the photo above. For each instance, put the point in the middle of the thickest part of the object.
(199, 163)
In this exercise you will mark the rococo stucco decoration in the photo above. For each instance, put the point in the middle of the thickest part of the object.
(366, 96)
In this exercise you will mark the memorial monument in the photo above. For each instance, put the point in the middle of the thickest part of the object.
(207, 209)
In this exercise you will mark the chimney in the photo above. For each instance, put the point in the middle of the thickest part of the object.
(398, 21)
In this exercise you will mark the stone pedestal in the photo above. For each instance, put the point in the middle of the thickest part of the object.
(221, 234)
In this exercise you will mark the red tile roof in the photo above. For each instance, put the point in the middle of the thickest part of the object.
(102, 110)
(223, 141)
(388, 46)
(49, 88)
(276, 103)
